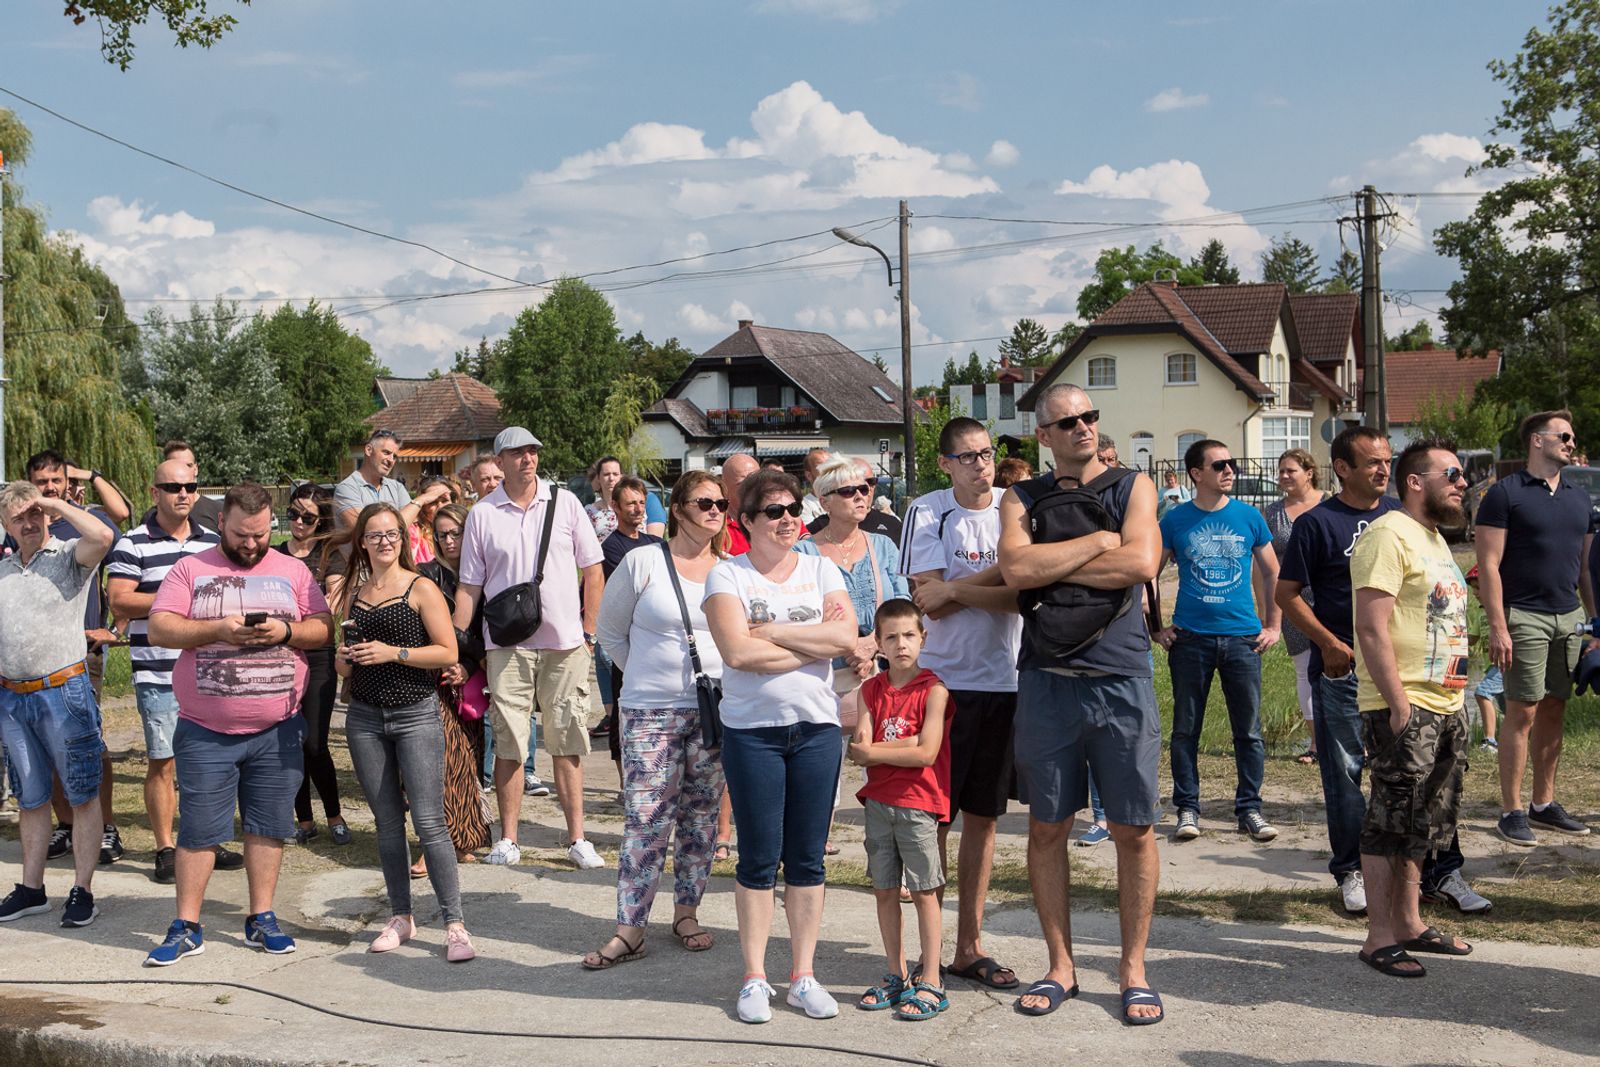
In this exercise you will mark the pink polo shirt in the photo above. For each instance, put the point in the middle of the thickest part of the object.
(500, 548)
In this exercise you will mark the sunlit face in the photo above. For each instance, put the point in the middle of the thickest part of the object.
(977, 477)
(51, 482)
(704, 507)
(735, 471)
(782, 530)
(446, 538)
(1293, 479)
(384, 453)
(1548, 441)
(630, 509)
(606, 479)
(850, 500)
(1368, 478)
(28, 526)
(524, 462)
(381, 539)
(246, 537)
(900, 641)
(1207, 476)
(1443, 487)
(185, 456)
(1074, 444)
(170, 491)
(486, 478)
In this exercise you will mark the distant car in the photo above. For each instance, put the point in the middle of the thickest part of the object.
(1589, 479)
(1256, 491)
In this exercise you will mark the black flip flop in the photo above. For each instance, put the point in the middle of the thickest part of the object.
(1431, 940)
(1048, 989)
(1388, 960)
(982, 970)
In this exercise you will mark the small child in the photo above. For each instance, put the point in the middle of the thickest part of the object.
(903, 740)
(1490, 692)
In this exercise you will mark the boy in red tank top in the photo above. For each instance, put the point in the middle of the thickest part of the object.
(902, 740)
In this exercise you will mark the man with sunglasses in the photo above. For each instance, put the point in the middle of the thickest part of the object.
(206, 511)
(134, 571)
(1533, 536)
(950, 553)
(1223, 549)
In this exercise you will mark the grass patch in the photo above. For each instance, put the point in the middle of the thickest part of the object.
(118, 681)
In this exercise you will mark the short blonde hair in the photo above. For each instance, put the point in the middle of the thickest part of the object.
(834, 473)
(17, 497)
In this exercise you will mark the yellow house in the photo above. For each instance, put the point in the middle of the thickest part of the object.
(1169, 365)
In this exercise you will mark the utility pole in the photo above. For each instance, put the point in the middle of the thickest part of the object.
(906, 403)
(1375, 399)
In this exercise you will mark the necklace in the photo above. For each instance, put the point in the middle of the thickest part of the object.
(846, 547)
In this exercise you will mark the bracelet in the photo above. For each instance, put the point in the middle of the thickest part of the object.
(288, 632)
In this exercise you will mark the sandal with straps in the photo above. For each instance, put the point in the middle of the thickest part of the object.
(635, 952)
(684, 939)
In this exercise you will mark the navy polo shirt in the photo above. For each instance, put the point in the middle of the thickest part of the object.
(1544, 540)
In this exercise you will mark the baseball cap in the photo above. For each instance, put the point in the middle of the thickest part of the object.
(515, 437)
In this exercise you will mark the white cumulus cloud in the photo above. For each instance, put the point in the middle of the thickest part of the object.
(1002, 154)
(119, 219)
(1175, 99)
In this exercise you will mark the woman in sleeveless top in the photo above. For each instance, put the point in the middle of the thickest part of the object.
(1297, 477)
(397, 639)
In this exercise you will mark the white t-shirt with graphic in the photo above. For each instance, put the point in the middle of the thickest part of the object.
(751, 700)
(971, 648)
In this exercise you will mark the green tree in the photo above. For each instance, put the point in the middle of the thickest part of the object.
(213, 383)
(1410, 340)
(1472, 422)
(622, 422)
(1062, 339)
(1291, 261)
(476, 362)
(1530, 251)
(64, 332)
(879, 362)
(188, 20)
(1028, 345)
(1346, 276)
(1214, 265)
(662, 363)
(556, 369)
(1118, 271)
(974, 372)
(929, 476)
(326, 374)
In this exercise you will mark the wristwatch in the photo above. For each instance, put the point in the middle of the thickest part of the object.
(588, 638)
(404, 654)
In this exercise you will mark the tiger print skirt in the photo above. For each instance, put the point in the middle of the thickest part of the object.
(466, 809)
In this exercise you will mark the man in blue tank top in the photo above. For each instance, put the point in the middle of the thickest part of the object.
(1095, 711)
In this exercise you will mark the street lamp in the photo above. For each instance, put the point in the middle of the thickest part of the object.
(909, 429)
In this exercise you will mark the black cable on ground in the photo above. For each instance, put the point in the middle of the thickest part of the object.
(803, 1046)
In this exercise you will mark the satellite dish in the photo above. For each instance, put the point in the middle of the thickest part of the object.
(1331, 428)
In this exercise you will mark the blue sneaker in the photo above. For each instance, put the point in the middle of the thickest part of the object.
(263, 930)
(1094, 835)
(1513, 827)
(183, 939)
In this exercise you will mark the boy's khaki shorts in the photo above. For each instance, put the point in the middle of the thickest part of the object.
(902, 842)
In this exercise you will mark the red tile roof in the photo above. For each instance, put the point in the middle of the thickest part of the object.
(452, 408)
(1413, 377)
(1242, 318)
(1326, 323)
(843, 383)
(1303, 370)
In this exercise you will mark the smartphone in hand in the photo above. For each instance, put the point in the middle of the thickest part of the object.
(255, 618)
(351, 631)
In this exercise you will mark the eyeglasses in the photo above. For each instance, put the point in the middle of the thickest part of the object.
(1450, 474)
(967, 459)
(308, 517)
(866, 490)
(1069, 422)
(705, 503)
(382, 537)
(1564, 437)
(1220, 465)
(447, 535)
(774, 512)
(178, 487)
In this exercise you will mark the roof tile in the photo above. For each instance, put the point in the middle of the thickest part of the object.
(1326, 323)
(838, 379)
(1411, 378)
(452, 408)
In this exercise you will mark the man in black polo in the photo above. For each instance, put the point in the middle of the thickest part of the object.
(1533, 536)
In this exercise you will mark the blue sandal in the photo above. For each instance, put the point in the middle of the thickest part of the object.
(915, 1009)
(1051, 991)
(891, 993)
(1139, 995)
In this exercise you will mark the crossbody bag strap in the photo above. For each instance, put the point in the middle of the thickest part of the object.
(544, 539)
(877, 582)
(683, 609)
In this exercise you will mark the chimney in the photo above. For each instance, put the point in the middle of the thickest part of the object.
(1166, 276)
(745, 324)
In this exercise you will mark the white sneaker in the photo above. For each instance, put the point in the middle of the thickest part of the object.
(755, 998)
(505, 852)
(583, 856)
(1353, 888)
(808, 993)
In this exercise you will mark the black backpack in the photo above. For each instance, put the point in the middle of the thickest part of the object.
(1062, 620)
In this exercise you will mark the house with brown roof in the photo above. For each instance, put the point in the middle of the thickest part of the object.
(776, 394)
(1430, 375)
(441, 422)
(1169, 364)
(996, 403)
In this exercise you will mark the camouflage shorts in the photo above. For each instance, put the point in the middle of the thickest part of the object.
(1416, 782)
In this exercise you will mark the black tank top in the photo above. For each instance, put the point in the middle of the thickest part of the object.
(392, 685)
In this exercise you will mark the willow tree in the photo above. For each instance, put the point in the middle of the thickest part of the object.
(64, 329)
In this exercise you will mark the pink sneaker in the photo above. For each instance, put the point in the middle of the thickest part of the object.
(457, 945)
(396, 932)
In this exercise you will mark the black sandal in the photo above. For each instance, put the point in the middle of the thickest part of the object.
(634, 952)
(1431, 940)
(1391, 959)
(683, 939)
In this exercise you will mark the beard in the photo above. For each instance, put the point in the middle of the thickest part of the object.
(242, 558)
(1443, 513)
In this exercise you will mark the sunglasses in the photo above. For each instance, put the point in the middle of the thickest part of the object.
(853, 490)
(774, 512)
(1069, 422)
(1450, 474)
(179, 487)
(1564, 437)
(1220, 465)
(307, 517)
(705, 503)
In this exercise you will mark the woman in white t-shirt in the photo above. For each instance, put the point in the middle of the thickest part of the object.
(670, 780)
(779, 618)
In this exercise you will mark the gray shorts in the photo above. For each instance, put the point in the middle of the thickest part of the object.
(902, 841)
(1068, 726)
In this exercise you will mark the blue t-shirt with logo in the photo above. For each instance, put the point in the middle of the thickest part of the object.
(1318, 557)
(1214, 551)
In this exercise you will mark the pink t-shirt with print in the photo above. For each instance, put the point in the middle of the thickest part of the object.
(226, 688)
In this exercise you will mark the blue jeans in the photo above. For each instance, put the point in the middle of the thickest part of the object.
(1193, 660)
(52, 733)
(602, 674)
(781, 781)
(488, 744)
(1096, 809)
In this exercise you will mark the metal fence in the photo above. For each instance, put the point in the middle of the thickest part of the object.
(1255, 484)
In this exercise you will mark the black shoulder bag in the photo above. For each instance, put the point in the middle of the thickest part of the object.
(707, 690)
(513, 614)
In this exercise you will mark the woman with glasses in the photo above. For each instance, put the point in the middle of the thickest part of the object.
(1297, 478)
(420, 532)
(779, 617)
(869, 563)
(397, 639)
(671, 781)
(311, 528)
(461, 702)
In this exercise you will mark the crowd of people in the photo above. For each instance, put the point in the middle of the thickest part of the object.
(751, 635)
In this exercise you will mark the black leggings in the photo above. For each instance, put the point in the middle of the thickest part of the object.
(317, 707)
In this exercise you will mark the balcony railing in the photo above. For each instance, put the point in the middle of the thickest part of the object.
(1295, 396)
(762, 420)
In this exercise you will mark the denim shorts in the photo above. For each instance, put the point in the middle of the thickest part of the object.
(1069, 726)
(49, 734)
(158, 710)
(258, 773)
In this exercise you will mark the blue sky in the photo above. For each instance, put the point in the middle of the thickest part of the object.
(540, 139)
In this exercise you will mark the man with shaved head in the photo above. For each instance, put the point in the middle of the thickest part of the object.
(735, 469)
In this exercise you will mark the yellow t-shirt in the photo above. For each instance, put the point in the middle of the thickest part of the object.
(1399, 556)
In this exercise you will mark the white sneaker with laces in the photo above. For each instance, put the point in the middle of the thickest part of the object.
(505, 852)
(755, 1001)
(807, 993)
(583, 855)
(1353, 888)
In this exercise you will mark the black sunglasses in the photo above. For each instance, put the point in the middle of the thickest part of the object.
(853, 490)
(1450, 474)
(1068, 422)
(296, 515)
(705, 503)
(1220, 465)
(1564, 437)
(775, 512)
(179, 487)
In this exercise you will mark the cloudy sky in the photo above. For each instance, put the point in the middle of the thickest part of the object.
(531, 140)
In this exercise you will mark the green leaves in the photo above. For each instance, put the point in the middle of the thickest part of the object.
(1291, 261)
(1119, 271)
(188, 20)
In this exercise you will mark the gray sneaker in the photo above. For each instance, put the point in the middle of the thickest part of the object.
(533, 785)
(1256, 825)
(1188, 825)
(1555, 817)
(1455, 891)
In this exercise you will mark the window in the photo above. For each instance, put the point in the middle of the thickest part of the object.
(742, 396)
(1102, 373)
(1279, 433)
(1184, 441)
(1008, 400)
(980, 404)
(1181, 369)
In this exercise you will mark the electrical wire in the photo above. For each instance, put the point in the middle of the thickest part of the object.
(887, 1057)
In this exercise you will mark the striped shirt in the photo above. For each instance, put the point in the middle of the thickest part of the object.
(145, 554)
